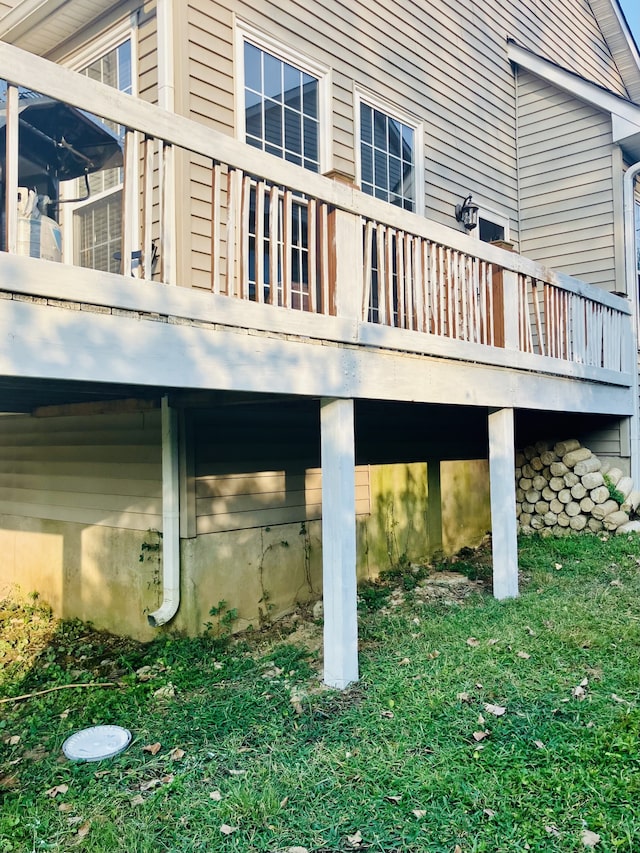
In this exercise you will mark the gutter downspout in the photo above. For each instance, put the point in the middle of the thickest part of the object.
(631, 279)
(170, 519)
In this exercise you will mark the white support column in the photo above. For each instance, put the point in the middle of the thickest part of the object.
(503, 503)
(337, 442)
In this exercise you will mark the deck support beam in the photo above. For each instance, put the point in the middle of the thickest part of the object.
(503, 503)
(337, 443)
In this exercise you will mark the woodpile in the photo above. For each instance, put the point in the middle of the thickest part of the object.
(565, 488)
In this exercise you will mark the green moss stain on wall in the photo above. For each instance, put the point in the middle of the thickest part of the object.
(466, 506)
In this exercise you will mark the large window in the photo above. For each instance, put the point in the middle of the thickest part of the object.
(93, 226)
(390, 146)
(283, 104)
(281, 108)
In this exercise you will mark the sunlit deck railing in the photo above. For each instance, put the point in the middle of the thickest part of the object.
(294, 240)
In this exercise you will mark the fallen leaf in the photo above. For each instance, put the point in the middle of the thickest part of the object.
(478, 736)
(553, 830)
(236, 772)
(7, 781)
(176, 754)
(14, 740)
(579, 693)
(168, 691)
(168, 779)
(464, 696)
(616, 583)
(489, 812)
(150, 784)
(296, 850)
(388, 714)
(539, 744)
(283, 802)
(100, 773)
(617, 698)
(138, 800)
(529, 631)
(588, 838)
(433, 655)
(419, 813)
(479, 686)
(557, 566)
(215, 795)
(65, 714)
(457, 849)
(496, 710)
(153, 748)
(65, 807)
(393, 798)
(355, 840)
(404, 662)
(523, 655)
(84, 829)
(57, 789)
(473, 642)
(225, 829)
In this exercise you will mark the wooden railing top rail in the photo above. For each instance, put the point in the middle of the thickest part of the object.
(22, 68)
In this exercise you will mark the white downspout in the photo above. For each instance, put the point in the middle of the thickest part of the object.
(170, 519)
(631, 278)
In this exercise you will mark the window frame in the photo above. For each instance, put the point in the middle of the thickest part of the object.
(496, 218)
(377, 102)
(78, 60)
(245, 32)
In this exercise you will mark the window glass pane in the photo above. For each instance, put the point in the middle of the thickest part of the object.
(366, 129)
(380, 161)
(272, 77)
(292, 131)
(366, 164)
(252, 67)
(379, 130)
(292, 90)
(394, 130)
(310, 94)
(273, 123)
(311, 150)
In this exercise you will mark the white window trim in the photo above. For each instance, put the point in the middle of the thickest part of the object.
(491, 215)
(246, 32)
(76, 61)
(377, 102)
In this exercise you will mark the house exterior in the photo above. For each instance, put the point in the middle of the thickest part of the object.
(262, 354)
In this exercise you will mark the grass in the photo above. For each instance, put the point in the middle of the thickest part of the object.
(390, 765)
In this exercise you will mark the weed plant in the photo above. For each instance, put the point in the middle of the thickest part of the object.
(481, 726)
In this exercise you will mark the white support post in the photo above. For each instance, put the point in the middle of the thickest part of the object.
(434, 506)
(348, 262)
(503, 503)
(337, 441)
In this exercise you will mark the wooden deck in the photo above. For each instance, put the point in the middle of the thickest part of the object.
(418, 310)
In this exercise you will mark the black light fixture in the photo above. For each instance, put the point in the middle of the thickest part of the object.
(467, 213)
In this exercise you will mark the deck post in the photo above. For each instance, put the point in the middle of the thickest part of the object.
(510, 310)
(503, 503)
(434, 506)
(337, 443)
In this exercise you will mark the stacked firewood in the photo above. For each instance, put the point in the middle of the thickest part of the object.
(565, 488)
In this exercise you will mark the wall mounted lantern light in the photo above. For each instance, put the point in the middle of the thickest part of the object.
(467, 213)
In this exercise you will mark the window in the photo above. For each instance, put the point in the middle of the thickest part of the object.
(283, 98)
(492, 226)
(93, 227)
(390, 146)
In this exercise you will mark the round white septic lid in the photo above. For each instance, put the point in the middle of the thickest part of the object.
(96, 743)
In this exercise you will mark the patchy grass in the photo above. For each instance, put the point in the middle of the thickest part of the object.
(255, 756)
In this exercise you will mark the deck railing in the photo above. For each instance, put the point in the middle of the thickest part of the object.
(294, 240)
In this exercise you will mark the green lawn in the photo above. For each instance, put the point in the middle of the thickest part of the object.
(419, 756)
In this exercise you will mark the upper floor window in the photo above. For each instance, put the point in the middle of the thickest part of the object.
(284, 101)
(492, 226)
(390, 146)
(93, 226)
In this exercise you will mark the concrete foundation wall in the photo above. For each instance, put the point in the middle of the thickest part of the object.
(112, 577)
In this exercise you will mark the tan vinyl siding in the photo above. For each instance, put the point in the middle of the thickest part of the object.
(148, 59)
(103, 470)
(566, 183)
(446, 67)
(266, 498)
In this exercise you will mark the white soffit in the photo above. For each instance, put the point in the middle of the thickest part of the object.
(625, 114)
(40, 26)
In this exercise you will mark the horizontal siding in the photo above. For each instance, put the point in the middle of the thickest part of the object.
(103, 470)
(566, 183)
(266, 498)
(451, 71)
